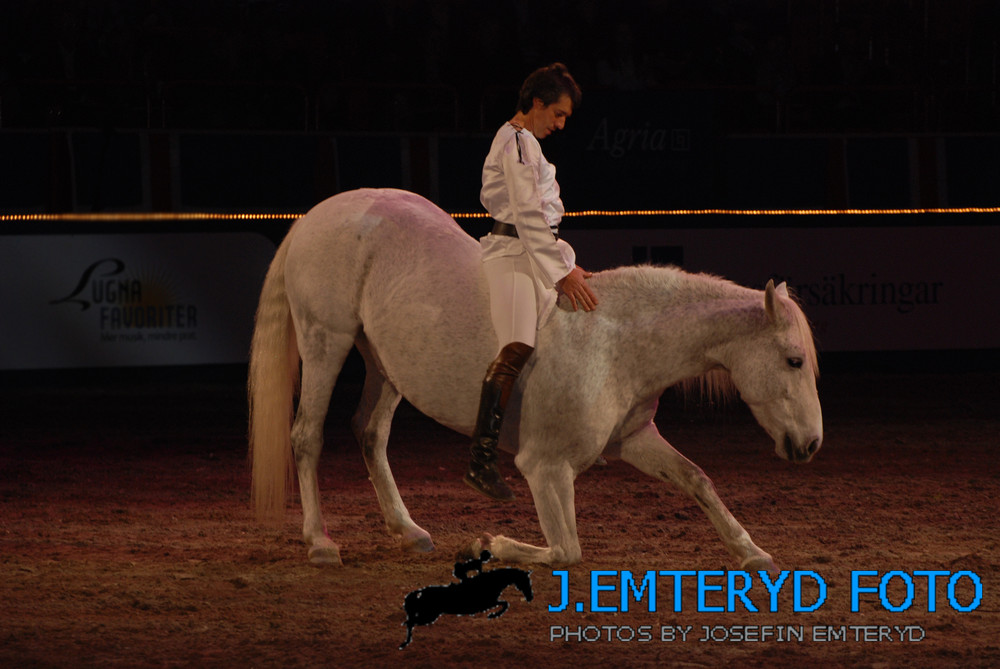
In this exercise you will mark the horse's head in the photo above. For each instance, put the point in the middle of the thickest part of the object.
(775, 371)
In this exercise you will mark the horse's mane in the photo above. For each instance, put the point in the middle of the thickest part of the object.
(640, 281)
(662, 279)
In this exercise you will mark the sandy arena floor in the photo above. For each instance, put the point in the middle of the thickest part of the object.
(126, 538)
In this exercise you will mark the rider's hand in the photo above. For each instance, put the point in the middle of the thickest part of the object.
(574, 286)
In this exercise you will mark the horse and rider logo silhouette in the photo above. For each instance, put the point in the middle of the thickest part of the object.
(471, 595)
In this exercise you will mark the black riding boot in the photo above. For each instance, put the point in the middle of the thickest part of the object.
(483, 474)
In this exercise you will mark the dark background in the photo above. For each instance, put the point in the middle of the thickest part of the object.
(836, 65)
(271, 105)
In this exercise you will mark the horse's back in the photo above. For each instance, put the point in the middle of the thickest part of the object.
(353, 233)
(393, 265)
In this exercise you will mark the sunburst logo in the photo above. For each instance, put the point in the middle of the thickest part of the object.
(158, 288)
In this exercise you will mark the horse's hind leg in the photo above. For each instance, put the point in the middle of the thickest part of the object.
(647, 451)
(371, 424)
(321, 364)
(409, 635)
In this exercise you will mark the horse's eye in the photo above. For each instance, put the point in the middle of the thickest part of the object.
(795, 363)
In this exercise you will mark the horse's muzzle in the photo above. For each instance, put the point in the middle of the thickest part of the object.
(793, 454)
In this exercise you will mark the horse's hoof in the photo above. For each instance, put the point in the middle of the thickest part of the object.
(471, 550)
(325, 555)
(761, 563)
(421, 544)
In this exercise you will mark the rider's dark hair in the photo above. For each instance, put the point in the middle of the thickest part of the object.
(548, 84)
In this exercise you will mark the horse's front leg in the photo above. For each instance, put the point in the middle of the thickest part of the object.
(502, 610)
(551, 486)
(647, 451)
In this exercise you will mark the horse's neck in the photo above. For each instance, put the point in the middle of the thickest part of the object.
(674, 321)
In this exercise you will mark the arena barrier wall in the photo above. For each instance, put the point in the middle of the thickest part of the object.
(131, 290)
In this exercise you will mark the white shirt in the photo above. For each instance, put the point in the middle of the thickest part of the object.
(520, 189)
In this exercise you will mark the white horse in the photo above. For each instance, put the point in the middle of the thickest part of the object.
(388, 272)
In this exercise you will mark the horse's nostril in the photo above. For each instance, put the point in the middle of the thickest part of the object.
(800, 454)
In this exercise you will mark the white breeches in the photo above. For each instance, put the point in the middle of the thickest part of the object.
(513, 303)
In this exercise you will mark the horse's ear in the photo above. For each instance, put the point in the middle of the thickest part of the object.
(771, 299)
(781, 289)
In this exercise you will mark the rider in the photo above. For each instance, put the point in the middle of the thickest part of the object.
(524, 260)
(462, 569)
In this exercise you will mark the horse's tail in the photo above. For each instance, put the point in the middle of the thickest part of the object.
(271, 387)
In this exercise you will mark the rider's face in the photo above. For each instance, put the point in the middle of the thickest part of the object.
(546, 119)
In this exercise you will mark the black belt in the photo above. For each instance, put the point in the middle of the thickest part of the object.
(508, 230)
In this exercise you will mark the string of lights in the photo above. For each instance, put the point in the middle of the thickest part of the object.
(139, 217)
